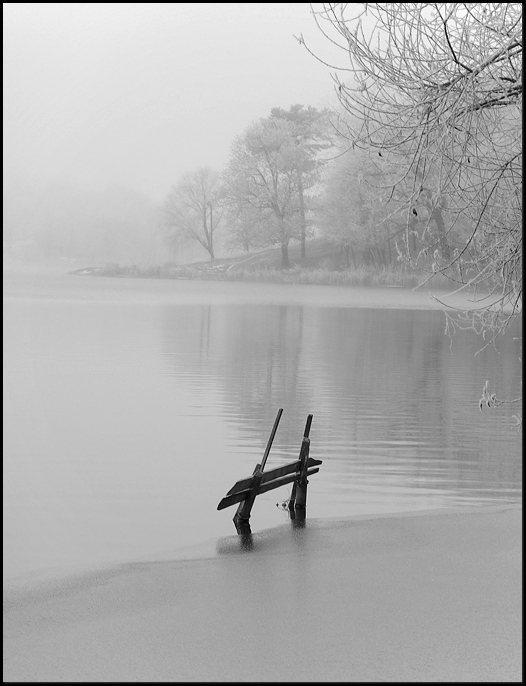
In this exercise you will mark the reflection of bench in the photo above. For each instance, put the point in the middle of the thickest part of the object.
(245, 491)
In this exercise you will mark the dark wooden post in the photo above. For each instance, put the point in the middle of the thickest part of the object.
(243, 509)
(298, 498)
(301, 484)
(245, 506)
(271, 438)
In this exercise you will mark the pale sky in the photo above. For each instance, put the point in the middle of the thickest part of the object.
(136, 94)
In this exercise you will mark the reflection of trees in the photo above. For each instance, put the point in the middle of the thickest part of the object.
(263, 350)
(384, 388)
(397, 382)
(253, 354)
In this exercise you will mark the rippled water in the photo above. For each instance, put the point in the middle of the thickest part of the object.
(131, 407)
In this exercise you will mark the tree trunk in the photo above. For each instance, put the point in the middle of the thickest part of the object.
(285, 263)
(302, 215)
(210, 236)
(284, 240)
(412, 237)
(353, 257)
(441, 230)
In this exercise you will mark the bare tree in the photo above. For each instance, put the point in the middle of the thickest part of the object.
(261, 181)
(311, 130)
(193, 210)
(342, 210)
(436, 88)
(246, 230)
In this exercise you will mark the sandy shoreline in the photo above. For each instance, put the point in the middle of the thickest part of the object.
(430, 596)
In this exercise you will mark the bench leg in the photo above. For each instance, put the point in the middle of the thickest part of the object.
(245, 506)
(242, 524)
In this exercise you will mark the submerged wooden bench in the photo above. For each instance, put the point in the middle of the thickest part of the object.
(245, 491)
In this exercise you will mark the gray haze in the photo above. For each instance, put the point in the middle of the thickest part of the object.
(134, 94)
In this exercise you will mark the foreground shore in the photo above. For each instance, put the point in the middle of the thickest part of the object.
(433, 596)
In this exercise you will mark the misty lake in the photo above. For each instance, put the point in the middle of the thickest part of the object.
(132, 406)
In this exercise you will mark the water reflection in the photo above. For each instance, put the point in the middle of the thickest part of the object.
(131, 407)
(395, 409)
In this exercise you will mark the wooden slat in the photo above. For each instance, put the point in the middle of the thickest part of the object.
(283, 481)
(233, 498)
(245, 484)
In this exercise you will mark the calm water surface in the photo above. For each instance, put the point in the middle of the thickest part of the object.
(131, 407)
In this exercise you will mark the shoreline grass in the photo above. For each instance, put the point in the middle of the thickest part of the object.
(362, 276)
